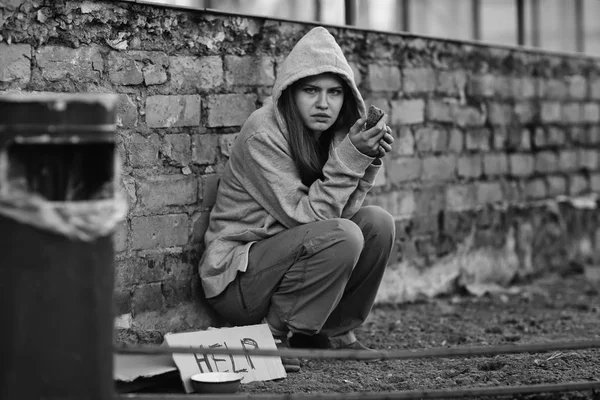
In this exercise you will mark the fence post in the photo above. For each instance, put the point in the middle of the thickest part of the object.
(58, 206)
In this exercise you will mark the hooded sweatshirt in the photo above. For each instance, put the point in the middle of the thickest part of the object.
(261, 194)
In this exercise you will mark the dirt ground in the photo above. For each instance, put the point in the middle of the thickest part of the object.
(552, 309)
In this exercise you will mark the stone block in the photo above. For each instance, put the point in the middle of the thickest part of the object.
(495, 164)
(591, 112)
(205, 149)
(230, 109)
(143, 151)
(469, 166)
(489, 192)
(404, 142)
(595, 182)
(577, 87)
(176, 292)
(456, 140)
(461, 197)
(431, 139)
(147, 297)
(551, 112)
(226, 142)
(568, 160)
(535, 189)
(120, 237)
(572, 113)
(589, 159)
(546, 162)
(440, 168)
(200, 222)
(554, 89)
(500, 114)
(407, 112)
(578, 184)
(249, 71)
(521, 164)
(58, 63)
(190, 74)
(167, 190)
(482, 85)
(209, 185)
(418, 80)
(525, 112)
(452, 83)
(15, 63)
(127, 112)
(403, 169)
(172, 111)
(478, 139)
(557, 185)
(384, 78)
(137, 67)
(556, 137)
(177, 148)
(159, 231)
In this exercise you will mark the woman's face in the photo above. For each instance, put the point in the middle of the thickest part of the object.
(319, 99)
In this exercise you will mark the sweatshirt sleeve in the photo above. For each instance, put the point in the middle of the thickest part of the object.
(272, 179)
(364, 185)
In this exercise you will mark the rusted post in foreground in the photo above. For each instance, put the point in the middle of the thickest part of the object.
(59, 203)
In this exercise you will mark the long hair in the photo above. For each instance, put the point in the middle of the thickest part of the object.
(309, 153)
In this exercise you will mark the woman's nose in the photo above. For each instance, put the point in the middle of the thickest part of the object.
(322, 101)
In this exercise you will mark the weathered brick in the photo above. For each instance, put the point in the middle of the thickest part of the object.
(519, 139)
(176, 291)
(15, 63)
(568, 160)
(551, 112)
(209, 185)
(591, 112)
(578, 184)
(167, 190)
(178, 149)
(579, 135)
(147, 298)
(403, 169)
(595, 182)
(120, 237)
(128, 186)
(521, 164)
(230, 109)
(500, 114)
(429, 200)
(190, 74)
(441, 110)
(205, 149)
(489, 192)
(404, 142)
(138, 269)
(482, 85)
(122, 302)
(467, 116)
(127, 112)
(226, 142)
(499, 138)
(553, 89)
(495, 164)
(58, 63)
(593, 134)
(456, 140)
(244, 71)
(384, 78)
(418, 80)
(556, 137)
(535, 189)
(469, 166)
(557, 185)
(402, 203)
(589, 159)
(546, 161)
(577, 86)
(200, 222)
(407, 112)
(172, 111)
(136, 67)
(159, 231)
(503, 87)
(439, 168)
(143, 151)
(572, 113)
(513, 192)
(595, 89)
(431, 139)
(525, 112)
(452, 83)
(478, 139)
(526, 87)
(461, 197)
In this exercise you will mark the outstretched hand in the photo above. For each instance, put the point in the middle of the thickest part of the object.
(374, 142)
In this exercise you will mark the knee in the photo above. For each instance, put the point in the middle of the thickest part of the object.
(379, 219)
(350, 239)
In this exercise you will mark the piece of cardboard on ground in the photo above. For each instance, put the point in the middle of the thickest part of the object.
(252, 368)
(133, 372)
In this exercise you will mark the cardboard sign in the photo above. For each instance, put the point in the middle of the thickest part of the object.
(252, 368)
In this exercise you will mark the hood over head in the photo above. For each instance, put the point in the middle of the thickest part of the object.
(315, 53)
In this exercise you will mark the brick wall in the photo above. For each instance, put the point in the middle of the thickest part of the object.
(492, 144)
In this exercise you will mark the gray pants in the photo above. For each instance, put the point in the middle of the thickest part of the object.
(320, 277)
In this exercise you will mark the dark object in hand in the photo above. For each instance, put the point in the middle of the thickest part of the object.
(373, 116)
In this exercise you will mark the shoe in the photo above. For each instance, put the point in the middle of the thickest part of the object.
(304, 341)
(359, 346)
(290, 364)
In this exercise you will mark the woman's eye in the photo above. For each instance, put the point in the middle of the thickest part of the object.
(310, 90)
(336, 92)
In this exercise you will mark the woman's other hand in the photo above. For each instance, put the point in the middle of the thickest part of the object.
(374, 142)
